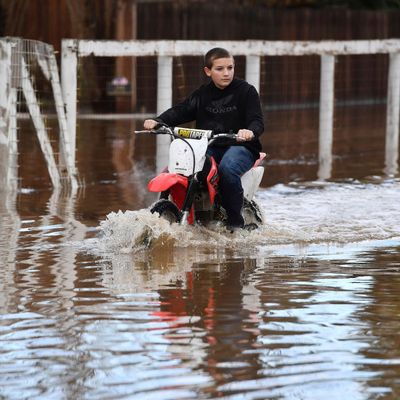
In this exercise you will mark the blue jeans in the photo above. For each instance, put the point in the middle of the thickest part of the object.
(233, 162)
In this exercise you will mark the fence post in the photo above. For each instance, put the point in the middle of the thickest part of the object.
(326, 104)
(5, 82)
(164, 101)
(392, 116)
(69, 71)
(8, 117)
(65, 160)
(253, 71)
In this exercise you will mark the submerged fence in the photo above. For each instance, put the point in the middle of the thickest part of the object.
(254, 52)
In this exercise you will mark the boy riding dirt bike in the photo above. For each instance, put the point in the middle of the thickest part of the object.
(225, 104)
(189, 187)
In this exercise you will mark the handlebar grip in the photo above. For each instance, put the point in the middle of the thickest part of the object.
(225, 135)
(160, 130)
(142, 131)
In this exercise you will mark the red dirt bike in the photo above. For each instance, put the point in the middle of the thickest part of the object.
(188, 187)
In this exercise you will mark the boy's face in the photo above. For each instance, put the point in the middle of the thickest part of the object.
(221, 72)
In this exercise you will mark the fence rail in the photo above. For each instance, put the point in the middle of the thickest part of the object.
(112, 48)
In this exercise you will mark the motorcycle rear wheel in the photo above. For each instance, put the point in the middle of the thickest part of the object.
(166, 209)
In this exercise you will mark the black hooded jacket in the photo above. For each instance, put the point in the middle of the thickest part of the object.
(222, 110)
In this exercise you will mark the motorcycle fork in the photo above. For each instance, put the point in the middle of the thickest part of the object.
(164, 195)
(189, 198)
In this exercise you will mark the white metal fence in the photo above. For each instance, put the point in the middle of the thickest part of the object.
(72, 50)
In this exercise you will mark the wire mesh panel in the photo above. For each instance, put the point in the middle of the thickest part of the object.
(102, 89)
(289, 92)
(33, 90)
(361, 83)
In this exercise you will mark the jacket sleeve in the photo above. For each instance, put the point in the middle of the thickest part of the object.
(254, 115)
(181, 113)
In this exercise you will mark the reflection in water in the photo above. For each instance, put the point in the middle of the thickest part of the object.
(198, 320)
(100, 299)
(198, 324)
(10, 224)
(305, 343)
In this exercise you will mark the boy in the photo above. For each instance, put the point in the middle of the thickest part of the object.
(224, 104)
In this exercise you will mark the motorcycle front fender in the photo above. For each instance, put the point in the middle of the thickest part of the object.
(165, 181)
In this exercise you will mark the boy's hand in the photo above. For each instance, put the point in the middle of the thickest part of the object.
(245, 135)
(150, 124)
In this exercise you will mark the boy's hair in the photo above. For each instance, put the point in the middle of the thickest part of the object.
(214, 54)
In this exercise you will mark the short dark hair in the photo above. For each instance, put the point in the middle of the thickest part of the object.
(215, 53)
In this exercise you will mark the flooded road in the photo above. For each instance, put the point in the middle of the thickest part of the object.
(99, 299)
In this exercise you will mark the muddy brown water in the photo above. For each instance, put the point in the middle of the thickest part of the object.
(101, 300)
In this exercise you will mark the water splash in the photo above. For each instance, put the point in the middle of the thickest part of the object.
(295, 214)
(132, 231)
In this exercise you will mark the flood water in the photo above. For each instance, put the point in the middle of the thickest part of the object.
(99, 299)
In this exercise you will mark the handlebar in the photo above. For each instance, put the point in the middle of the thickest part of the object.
(187, 133)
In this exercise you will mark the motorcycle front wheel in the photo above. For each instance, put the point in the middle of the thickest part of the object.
(166, 209)
(252, 213)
